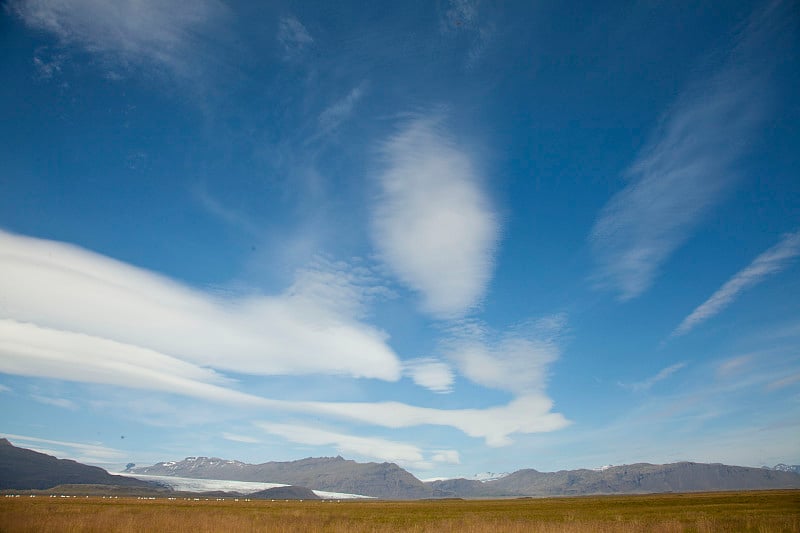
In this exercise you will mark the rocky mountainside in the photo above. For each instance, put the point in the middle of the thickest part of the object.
(334, 474)
(787, 468)
(627, 479)
(21, 468)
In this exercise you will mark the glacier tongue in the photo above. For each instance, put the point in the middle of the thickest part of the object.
(244, 487)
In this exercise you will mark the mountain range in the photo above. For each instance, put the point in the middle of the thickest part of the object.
(26, 469)
(333, 474)
(626, 479)
(387, 480)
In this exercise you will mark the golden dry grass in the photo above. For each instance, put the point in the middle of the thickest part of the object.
(762, 511)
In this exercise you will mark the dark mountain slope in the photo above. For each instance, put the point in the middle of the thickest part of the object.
(26, 469)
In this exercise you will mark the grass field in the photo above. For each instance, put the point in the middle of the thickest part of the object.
(761, 511)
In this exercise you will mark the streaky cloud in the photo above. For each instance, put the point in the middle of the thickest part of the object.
(648, 383)
(164, 34)
(688, 166)
(530, 413)
(34, 351)
(63, 403)
(30, 350)
(768, 263)
(293, 37)
(80, 451)
(305, 330)
(433, 224)
(338, 112)
(404, 454)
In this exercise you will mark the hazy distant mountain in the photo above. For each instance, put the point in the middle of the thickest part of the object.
(627, 479)
(787, 468)
(26, 469)
(334, 474)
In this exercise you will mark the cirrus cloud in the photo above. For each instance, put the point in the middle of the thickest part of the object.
(770, 262)
(162, 34)
(689, 165)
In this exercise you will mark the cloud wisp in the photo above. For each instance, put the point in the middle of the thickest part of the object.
(516, 361)
(153, 33)
(464, 17)
(433, 224)
(648, 383)
(293, 37)
(770, 262)
(335, 114)
(302, 331)
(30, 350)
(403, 454)
(140, 330)
(84, 452)
(686, 168)
(431, 373)
(63, 403)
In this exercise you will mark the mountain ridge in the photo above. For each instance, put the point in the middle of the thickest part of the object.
(25, 469)
(388, 480)
(637, 478)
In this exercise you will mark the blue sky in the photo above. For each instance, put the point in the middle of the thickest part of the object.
(449, 235)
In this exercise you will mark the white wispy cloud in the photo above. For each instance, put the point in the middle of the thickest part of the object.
(770, 262)
(403, 454)
(431, 373)
(515, 361)
(227, 214)
(48, 64)
(734, 365)
(305, 330)
(166, 34)
(433, 224)
(529, 413)
(240, 438)
(79, 451)
(333, 115)
(4, 388)
(293, 36)
(140, 330)
(686, 168)
(648, 383)
(784, 382)
(63, 403)
(30, 350)
(464, 17)
(461, 14)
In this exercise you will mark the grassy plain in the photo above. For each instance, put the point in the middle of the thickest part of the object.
(759, 511)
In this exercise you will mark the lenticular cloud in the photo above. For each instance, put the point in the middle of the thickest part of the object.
(45, 282)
